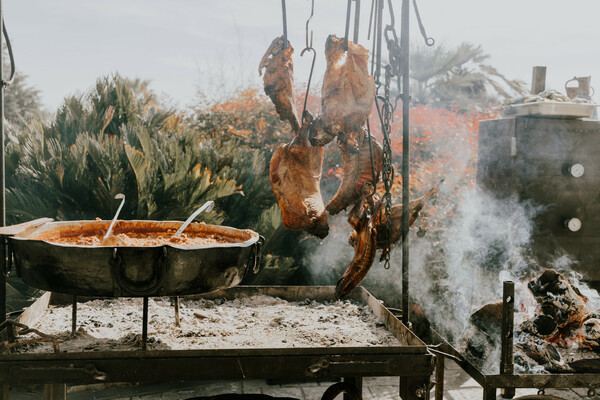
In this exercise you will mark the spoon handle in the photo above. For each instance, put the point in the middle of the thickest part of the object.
(206, 206)
(119, 196)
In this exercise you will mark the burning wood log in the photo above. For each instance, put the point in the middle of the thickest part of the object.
(539, 350)
(559, 300)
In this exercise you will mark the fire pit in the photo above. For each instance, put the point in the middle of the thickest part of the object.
(407, 357)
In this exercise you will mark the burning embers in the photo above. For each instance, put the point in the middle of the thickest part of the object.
(563, 335)
(563, 324)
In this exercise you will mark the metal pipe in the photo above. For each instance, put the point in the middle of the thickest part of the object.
(2, 176)
(145, 323)
(177, 320)
(347, 30)
(74, 316)
(405, 44)
(377, 37)
(356, 20)
(285, 41)
(508, 323)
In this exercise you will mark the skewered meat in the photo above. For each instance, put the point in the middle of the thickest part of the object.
(357, 171)
(364, 255)
(414, 206)
(279, 80)
(295, 178)
(348, 91)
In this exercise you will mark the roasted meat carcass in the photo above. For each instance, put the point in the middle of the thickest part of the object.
(415, 206)
(365, 247)
(348, 91)
(279, 80)
(357, 170)
(295, 178)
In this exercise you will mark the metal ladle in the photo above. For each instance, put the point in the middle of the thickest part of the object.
(208, 206)
(118, 196)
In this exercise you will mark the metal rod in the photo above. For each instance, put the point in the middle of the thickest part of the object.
(356, 20)
(439, 377)
(405, 44)
(285, 41)
(508, 321)
(145, 323)
(378, 31)
(2, 176)
(347, 31)
(177, 321)
(74, 316)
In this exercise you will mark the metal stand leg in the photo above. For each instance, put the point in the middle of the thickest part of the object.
(55, 392)
(439, 378)
(489, 393)
(145, 323)
(508, 321)
(3, 276)
(4, 392)
(74, 316)
(355, 381)
(177, 322)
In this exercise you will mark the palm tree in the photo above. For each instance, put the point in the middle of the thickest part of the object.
(458, 77)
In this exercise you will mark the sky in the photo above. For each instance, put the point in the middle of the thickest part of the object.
(186, 46)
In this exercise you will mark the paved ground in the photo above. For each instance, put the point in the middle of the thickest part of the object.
(457, 385)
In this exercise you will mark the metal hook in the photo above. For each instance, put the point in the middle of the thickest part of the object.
(312, 12)
(429, 41)
(284, 16)
(309, 48)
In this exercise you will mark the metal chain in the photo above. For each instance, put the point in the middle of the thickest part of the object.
(387, 173)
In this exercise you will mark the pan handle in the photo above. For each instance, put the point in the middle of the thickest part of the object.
(257, 255)
(159, 269)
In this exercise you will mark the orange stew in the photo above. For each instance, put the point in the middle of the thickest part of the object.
(140, 239)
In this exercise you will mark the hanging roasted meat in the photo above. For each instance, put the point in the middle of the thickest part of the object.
(279, 80)
(415, 206)
(348, 91)
(357, 170)
(295, 178)
(364, 255)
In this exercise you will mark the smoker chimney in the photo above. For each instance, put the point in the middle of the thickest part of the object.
(538, 81)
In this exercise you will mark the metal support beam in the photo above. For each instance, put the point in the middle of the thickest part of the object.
(145, 323)
(355, 381)
(508, 321)
(74, 316)
(405, 45)
(55, 391)
(439, 378)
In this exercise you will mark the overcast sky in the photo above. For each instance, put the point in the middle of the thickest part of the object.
(183, 45)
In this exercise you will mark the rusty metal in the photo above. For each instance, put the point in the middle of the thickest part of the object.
(74, 316)
(132, 271)
(508, 326)
(176, 307)
(24, 330)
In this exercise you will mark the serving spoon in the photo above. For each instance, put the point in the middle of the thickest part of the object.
(208, 206)
(117, 197)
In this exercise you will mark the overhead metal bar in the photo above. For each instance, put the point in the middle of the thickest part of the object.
(405, 45)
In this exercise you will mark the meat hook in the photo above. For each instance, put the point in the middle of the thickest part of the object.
(283, 13)
(309, 48)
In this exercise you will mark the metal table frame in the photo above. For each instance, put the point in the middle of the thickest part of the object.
(412, 362)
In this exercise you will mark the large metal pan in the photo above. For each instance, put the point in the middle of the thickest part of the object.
(129, 271)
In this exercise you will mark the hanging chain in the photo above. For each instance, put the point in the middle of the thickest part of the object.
(387, 173)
